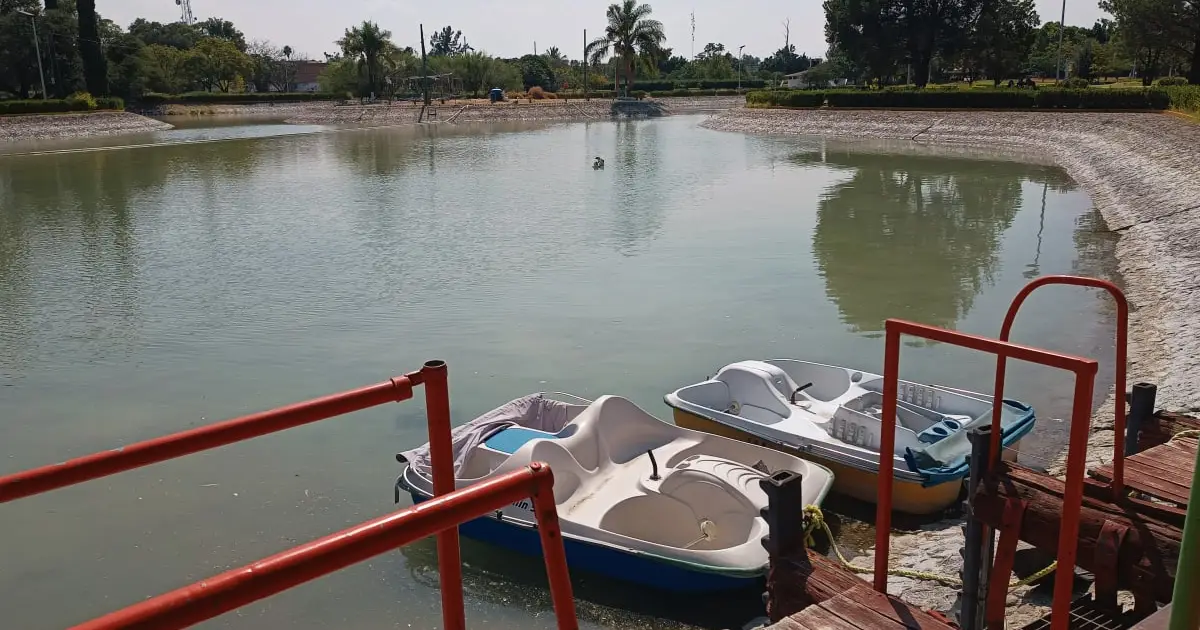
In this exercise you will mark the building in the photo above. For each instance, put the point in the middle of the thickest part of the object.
(306, 75)
(798, 81)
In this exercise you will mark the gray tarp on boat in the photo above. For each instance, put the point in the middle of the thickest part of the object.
(532, 412)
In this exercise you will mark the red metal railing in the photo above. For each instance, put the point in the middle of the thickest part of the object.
(1118, 476)
(230, 590)
(433, 375)
(1085, 377)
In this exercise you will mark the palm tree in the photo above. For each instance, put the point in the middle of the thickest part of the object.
(367, 45)
(555, 56)
(631, 36)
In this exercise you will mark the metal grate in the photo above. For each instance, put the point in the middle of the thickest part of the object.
(1086, 616)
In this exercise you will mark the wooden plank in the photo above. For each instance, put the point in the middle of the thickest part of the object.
(1154, 483)
(889, 608)
(821, 618)
(1040, 482)
(860, 616)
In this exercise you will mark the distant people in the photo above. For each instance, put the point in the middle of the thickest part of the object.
(1010, 83)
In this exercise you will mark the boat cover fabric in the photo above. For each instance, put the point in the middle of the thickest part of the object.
(946, 460)
(532, 412)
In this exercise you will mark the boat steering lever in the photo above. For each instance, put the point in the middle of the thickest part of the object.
(798, 390)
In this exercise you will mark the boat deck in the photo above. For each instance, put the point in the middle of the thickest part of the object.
(1163, 472)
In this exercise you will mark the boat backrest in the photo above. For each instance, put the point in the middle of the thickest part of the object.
(615, 430)
(756, 384)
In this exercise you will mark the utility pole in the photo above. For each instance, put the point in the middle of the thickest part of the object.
(740, 58)
(1062, 26)
(693, 35)
(535, 48)
(586, 63)
(424, 68)
(37, 48)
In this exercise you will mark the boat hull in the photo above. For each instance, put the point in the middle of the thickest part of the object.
(908, 496)
(603, 560)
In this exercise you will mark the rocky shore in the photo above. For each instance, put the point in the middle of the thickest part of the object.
(51, 126)
(1143, 174)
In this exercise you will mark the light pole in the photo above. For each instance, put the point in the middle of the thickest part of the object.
(37, 48)
(740, 66)
(1062, 26)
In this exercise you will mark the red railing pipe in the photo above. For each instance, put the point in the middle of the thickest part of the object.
(1081, 412)
(441, 452)
(78, 470)
(204, 600)
(1118, 476)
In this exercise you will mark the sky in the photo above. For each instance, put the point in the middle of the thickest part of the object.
(512, 28)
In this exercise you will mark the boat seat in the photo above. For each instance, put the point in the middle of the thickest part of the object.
(510, 439)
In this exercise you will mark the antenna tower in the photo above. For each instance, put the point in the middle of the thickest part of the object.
(185, 11)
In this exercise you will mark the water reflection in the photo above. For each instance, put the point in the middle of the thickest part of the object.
(902, 237)
(641, 198)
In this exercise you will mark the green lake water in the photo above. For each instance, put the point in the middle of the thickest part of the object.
(149, 290)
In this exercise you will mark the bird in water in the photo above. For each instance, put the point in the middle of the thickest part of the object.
(599, 163)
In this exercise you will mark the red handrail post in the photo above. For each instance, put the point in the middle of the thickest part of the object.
(437, 406)
(887, 444)
(1085, 378)
(1122, 359)
(228, 591)
(546, 511)
(110, 462)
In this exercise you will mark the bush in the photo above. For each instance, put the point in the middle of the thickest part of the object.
(933, 99)
(792, 98)
(77, 103)
(1185, 98)
(82, 101)
(639, 94)
(154, 99)
(1076, 83)
(1114, 98)
(537, 93)
(1169, 81)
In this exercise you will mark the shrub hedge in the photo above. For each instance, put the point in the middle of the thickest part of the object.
(1152, 98)
(793, 98)
(1185, 98)
(212, 98)
(54, 106)
(725, 84)
(1169, 81)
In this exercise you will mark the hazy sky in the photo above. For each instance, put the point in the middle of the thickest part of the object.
(509, 29)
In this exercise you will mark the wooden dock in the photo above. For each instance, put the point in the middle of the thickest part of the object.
(836, 599)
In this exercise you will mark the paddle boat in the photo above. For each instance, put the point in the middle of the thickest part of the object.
(638, 499)
(831, 415)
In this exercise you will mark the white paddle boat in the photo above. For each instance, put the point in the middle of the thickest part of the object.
(638, 499)
(831, 415)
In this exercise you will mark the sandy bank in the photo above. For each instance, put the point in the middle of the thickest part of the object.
(48, 126)
(1143, 174)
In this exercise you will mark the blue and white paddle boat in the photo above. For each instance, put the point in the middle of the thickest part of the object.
(638, 499)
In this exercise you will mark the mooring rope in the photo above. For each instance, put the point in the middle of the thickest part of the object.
(815, 519)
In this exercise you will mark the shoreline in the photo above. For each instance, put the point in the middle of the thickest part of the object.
(33, 127)
(1142, 172)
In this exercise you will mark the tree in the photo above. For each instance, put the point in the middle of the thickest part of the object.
(126, 75)
(367, 45)
(631, 36)
(447, 42)
(217, 63)
(867, 34)
(164, 68)
(176, 34)
(1152, 31)
(1084, 60)
(555, 57)
(18, 72)
(786, 61)
(1003, 35)
(535, 72)
(95, 71)
(223, 29)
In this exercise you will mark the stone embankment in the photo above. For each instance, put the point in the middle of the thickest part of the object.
(52, 126)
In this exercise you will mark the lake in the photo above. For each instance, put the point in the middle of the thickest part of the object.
(230, 269)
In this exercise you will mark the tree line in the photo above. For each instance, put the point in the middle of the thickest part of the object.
(211, 55)
(922, 41)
